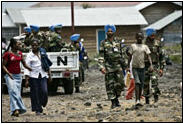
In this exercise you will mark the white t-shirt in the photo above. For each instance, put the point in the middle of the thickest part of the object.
(139, 51)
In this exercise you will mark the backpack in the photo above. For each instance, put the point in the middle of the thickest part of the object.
(45, 61)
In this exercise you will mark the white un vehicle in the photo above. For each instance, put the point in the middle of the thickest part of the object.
(64, 70)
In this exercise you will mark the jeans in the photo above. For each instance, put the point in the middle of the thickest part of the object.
(139, 76)
(14, 90)
(38, 93)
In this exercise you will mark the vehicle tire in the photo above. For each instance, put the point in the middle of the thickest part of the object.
(53, 86)
(68, 86)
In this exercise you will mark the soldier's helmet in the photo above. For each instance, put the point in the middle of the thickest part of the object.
(58, 26)
(74, 37)
(27, 29)
(112, 27)
(34, 28)
(150, 32)
(51, 28)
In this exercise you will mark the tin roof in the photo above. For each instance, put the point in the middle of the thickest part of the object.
(45, 17)
(7, 22)
(15, 15)
(143, 5)
(165, 21)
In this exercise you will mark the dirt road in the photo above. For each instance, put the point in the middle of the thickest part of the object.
(91, 105)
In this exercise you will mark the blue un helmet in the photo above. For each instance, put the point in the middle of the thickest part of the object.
(75, 37)
(150, 31)
(53, 27)
(34, 28)
(112, 27)
(27, 29)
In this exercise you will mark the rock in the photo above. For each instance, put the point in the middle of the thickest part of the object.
(100, 120)
(142, 121)
(139, 114)
(62, 112)
(87, 104)
(99, 106)
(73, 108)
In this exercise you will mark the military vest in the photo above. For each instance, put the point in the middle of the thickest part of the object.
(154, 47)
(112, 55)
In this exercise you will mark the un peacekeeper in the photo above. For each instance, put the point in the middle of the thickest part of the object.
(110, 65)
(26, 42)
(37, 34)
(76, 45)
(158, 61)
(55, 39)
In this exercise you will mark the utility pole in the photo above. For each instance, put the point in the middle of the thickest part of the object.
(72, 16)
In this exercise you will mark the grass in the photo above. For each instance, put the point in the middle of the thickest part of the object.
(174, 51)
(176, 58)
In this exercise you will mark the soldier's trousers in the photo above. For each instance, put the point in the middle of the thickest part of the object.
(79, 80)
(114, 84)
(151, 84)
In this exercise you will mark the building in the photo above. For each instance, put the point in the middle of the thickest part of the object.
(165, 17)
(9, 28)
(130, 18)
(85, 4)
(88, 22)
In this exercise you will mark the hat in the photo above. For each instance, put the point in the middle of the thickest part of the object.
(51, 28)
(58, 26)
(27, 29)
(150, 31)
(75, 37)
(112, 27)
(34, 27)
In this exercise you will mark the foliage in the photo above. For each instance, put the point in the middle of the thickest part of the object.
(86, 5)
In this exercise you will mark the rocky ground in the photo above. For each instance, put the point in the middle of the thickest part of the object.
(91, 105)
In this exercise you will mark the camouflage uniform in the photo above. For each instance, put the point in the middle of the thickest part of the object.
(78, 80)
(112, 60)
(55, 42)
(38, 36)
(158, 61)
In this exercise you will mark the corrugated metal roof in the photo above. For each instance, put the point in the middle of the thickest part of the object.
(7, 22)
(146, 4)
(16, 15)
(84, 17)
(165, 21)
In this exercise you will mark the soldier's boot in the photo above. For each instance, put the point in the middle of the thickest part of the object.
(117, 102)
(147, 100)
(113, 105)
(77, 90)
(156, 98)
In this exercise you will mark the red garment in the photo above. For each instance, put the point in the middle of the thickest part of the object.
(130, 90)
(13, 62)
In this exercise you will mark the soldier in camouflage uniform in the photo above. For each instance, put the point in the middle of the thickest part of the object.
(39, 35)
(76, 45)
(110, 64)
(158, 61)
(26, 42)
(55, 39)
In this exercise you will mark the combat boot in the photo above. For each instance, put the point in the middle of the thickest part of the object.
(147, 100)
(117, 102)
(77, 90)
(113, 105)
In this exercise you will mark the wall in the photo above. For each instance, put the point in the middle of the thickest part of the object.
(8, 33)
(90, 35)
(159, 10)
(173, 32)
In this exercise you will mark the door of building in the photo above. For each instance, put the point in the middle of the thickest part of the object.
(101, 36)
